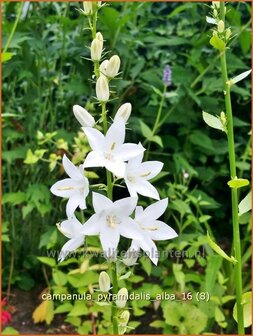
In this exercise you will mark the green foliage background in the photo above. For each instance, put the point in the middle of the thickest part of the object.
(48, 73)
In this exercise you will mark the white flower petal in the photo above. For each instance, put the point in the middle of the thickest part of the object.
(92, 226)
(153, 211)
(66, 188)
(163, 231)
(118, 168)
(149, 247)
(131, 188)
(132, 254)
(71, 169)
(125, 206)
(129, 229)
(109, 240)
(72, 204)
(145, 188)
(115, 135)
(128, 151)
(94, 159)
(96, 139)
(71, 227)
(70, 246)
(136, 161)
(150, 169)
(100, 202)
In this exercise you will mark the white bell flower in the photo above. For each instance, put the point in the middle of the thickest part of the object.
(72, 229)
(109, 151)
(137, 175)
(75, 188)
(112, 220)
(152, 229)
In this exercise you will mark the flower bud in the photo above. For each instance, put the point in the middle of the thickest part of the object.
(87, 7)
(215, 13)
(103, 66)
(123, 112)
(99, 36)
(122, 297)
(124, 318)
(83, 116)
(228, 33)
(221, 26)
(96, 49)
(216, 4)
(102, 89)
(104, 282)
(113, 65)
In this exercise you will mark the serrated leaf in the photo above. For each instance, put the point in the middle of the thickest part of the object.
(247, 308)
(63, 308)
(213, 121)
(246, 204)
(217, 43)
(219, 250)
(237, 183)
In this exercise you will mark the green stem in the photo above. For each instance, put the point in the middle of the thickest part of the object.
(234, 195)
(13, 28)
(157, 121)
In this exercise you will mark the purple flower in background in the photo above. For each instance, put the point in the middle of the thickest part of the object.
(167, 75)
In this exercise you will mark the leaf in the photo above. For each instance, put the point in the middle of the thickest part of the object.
(48, 261)
(59, 278)
(146, 264)
(125, 276)
(6, 56)
(10, 331)
(146, 131)
(247, 308)
(246, 204)
(219, 250)
(31, 158)
(44, 312)
(14, 198)
(237, 183)
(63, 308)
(217, 43)
(213, 121)
(239, 77)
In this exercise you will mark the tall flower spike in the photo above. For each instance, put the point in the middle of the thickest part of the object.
(72, 229)
(109, 151)
(152, 229)
(75, 188)
(112, 220)
(137, 175)
(167, 75)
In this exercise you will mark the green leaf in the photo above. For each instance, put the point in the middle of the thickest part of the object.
(79, 309)
(217, 43)
(146, 264)
(14, 198)
(213, 121)
(6, 56)
(48, 261)
(63, 308)
(59, 277)
(219, 251)
(246, 204)
(237, 183)
(10, 331)
(179, 275)
(146, 131)
(247, 308)
(31, 158)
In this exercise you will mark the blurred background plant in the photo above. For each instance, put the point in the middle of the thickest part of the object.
(45, 72)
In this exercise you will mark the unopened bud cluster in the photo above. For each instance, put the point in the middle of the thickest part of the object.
(220, 31)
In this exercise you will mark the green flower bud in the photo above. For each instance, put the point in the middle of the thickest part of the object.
(228, 33)
(87, 7)
(221, 26)
(124, 318)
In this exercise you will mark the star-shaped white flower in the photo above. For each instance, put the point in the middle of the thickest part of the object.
(75, 188)
(137, 175)
(109, 151)
(111, 220)
(72, 229)
(152, 229)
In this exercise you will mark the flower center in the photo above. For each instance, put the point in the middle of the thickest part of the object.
(112, 221)
(145, 174)
(131, 178)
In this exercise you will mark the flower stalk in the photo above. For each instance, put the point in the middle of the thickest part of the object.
(234, 192)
